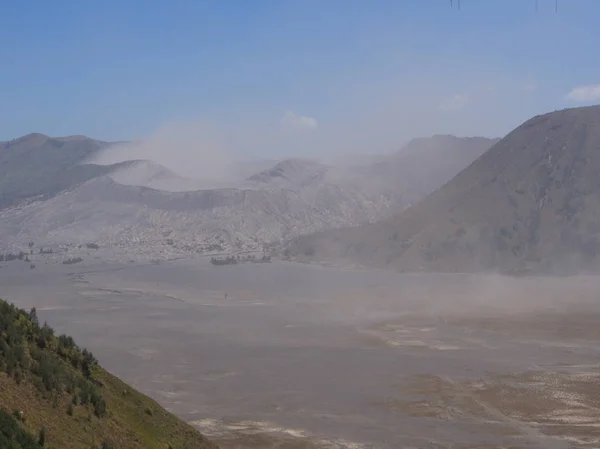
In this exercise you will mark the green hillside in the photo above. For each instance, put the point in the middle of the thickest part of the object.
(55, 395)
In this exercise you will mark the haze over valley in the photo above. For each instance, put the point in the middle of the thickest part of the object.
(258, 354)
(300, 225)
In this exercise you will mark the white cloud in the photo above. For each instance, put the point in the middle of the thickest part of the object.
(585, 93)
(291, 120)
(529, 87)
(457, 101)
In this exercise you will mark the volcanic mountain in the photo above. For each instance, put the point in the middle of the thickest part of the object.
(531, 202)
(52, 194)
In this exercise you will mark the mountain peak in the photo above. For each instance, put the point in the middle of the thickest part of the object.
(292, 170)
(532, 201)
(32, 137)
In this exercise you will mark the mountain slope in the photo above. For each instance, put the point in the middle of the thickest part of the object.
(290, 173)
(146, 208)
(531, 202)
(426, 164)
(38, 165)
(47, 382)
(112, 214)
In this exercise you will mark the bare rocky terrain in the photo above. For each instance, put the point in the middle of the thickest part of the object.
(301, 356)
(530, 203)
(61, 200)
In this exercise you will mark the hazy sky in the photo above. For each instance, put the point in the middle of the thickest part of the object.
(279, 77)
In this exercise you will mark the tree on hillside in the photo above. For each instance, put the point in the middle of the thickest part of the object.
(32, 353)
(42, 437)
(12, 434)
(33, 316)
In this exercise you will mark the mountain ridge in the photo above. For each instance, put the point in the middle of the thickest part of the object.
(148, 208)
(514, 208)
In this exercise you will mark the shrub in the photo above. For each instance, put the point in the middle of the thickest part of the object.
(42, 437)
(100, 408)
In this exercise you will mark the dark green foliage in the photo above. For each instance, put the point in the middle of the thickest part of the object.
(55, 365)
(99, 406)
(79, 412)
(107, 445)
(97, 402)
(12, 435)
(227, 261)
(42, 437)
(84, 395)
(18, 415)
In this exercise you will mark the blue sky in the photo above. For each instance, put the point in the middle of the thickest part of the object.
(277, 77)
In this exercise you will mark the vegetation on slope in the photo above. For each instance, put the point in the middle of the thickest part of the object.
(54, 394)
(12, 434)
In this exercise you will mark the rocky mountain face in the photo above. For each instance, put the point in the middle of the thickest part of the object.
(530, 203)
(141, 206)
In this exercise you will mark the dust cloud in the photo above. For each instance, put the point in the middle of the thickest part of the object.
(458, 296)
(193, 149)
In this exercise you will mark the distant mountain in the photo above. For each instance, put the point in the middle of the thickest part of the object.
(153, 221)
(425, 164)
(532, 202)
(143, 205)
(291, 173)
(38, 165)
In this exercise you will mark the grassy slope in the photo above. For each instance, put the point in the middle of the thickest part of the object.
(132, 420)
(128, 423)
